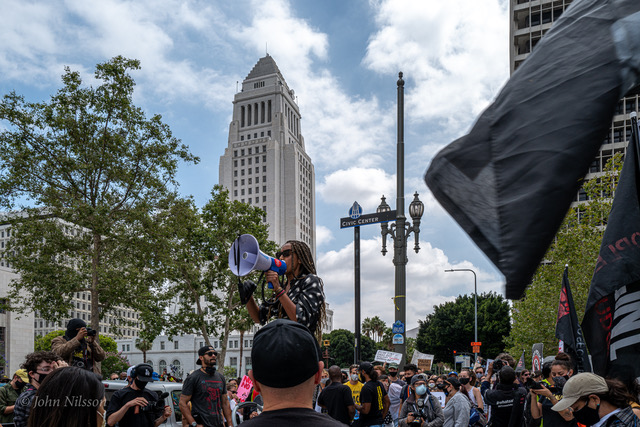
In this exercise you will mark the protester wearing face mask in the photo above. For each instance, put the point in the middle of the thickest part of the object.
(9, 394)
(206, 389)
(468, 381)
(409, 371)
(356, 386)
(458, 407)
(551, 393)
(38, 365)
(594, 400)
(130, 406)
(420, 407)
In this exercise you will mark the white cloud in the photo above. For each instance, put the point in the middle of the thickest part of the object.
(427, 283)
(324, 235)
(365, 185)
(454, 54)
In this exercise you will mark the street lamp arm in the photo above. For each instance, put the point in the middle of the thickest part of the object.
(475, 298)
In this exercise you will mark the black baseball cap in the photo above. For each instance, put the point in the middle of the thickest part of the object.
(143, 372)
(284, 354)
(366, 367)
(204, 350)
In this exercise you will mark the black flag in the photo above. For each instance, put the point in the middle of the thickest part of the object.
(568, 329)
(511, 180)
(611, 322)
(520, 366)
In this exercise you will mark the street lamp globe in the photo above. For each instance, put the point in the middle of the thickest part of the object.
(416, 208)
(383, 207)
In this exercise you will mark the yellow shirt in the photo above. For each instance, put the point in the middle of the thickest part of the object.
(355, 391)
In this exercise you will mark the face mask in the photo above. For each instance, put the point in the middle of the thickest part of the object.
(324, 381)
(566, 377)
(559, 381)
(421, 390)
(440, 386)
(20, 385)
(478, 375)
(587, 415)
(464, 381)
(432, 385)
(140, 384)
(210, 370)
(354, 377)
(393, 374)
(41, 377)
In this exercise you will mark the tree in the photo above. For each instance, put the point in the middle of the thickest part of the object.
(114, 362)
(451, 326)
(93, 167)
(374, 328)
(342, 350)
(577, 245)
(43, 343)
(144, 346)
(196, 263)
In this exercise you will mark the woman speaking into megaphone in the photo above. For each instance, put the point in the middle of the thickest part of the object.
(300, 298)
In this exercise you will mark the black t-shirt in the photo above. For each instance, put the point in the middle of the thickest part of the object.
(551, 418)
(294, 417)
(337, 398)
(143, 417)
(207, 392)
(372, 392)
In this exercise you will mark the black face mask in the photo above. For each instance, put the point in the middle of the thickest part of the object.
(210, 370)
(464, 381)
(587, 415)
(20, 385)
(140, 384)
(41, 377)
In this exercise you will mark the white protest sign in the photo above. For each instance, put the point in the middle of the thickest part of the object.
(388, 356)
(420, 356)
(440, 396)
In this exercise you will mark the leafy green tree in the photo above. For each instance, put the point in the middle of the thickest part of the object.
(196, 264)
(374, 328)
(92, 167)
(342, 350)
(451, 326)
(577, 245)
(114, 362)
(144, 346)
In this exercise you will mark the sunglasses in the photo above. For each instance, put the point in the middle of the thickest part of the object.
(211, 353)
(285, 253)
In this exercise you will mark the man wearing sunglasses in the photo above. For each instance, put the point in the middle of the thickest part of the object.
(206, 389)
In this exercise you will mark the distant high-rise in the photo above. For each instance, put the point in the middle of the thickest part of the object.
(265, 163)
(530, 20)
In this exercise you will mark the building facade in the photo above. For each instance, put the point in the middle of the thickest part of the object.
(265, 163)
(530, 20)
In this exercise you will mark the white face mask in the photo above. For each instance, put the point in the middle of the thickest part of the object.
(354, 377)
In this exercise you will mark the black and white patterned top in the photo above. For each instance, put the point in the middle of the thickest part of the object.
(307, 293)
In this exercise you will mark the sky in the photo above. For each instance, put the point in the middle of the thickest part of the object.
(342, 58)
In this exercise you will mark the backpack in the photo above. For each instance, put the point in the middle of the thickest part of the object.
(477, 418)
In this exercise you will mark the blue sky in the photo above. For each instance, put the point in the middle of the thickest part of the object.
(342, 59)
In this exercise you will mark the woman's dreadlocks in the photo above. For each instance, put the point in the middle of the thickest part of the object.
(303, 252)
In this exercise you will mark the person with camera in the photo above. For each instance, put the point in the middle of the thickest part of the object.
(421, 409)
(78, 347)
(545, 395)
(134, 406)
(507, 400)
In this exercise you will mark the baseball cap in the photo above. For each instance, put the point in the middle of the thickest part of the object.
(130, 370)
(453, 373)
(393, 366)
(22, 374)
(419, 377)
(366, 367)
(453, 381)
(144, 372)
(578, 386)
(284, 344)
(203, 350)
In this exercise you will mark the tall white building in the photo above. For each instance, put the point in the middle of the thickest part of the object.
(265, 163)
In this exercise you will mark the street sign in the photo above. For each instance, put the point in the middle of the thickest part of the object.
(373, 218)
(397, 327)
(473, 344)
(398, 339)
(476, 349)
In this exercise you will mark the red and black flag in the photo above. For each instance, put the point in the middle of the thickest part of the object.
(511, 180)
(611, 322)
(568, 329)
(520, 366)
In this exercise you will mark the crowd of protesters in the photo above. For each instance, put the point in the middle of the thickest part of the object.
(62, 388)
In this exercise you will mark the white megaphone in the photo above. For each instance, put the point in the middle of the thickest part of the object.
(245, 256)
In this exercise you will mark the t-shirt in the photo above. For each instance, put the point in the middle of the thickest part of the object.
(294, 417)
(355, 394)
(337, 399)
(372, 392)
(551, 418)
(143, 418)
(207, 392)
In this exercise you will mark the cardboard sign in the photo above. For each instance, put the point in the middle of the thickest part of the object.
(421, 356)
(244, 388)
(388, 356)
(424, 364)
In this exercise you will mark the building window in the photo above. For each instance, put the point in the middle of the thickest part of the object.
(242, 152)
(175, 346)
(162, 346)
(235, 153)
(162, 366)
(264, 188)
(264, 168)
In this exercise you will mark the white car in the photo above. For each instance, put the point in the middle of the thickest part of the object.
(174, 391)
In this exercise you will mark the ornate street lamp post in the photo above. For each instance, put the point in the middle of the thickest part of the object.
(400, 230)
